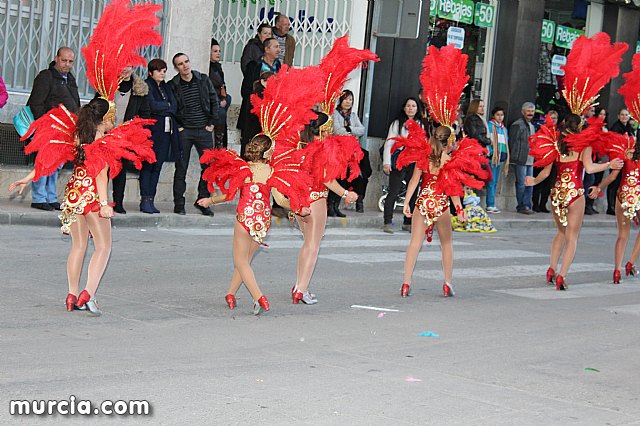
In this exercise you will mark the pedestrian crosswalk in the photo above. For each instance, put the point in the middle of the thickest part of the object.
(427, 256)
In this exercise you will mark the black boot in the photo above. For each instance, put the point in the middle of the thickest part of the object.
(359, 206)
(336, 205)
(118, 208)
(145, 205)
(331, 209)
(153, 206)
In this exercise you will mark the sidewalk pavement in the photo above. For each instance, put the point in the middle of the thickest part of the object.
(19, 212)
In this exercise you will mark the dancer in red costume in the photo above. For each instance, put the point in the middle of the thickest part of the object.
(59, 136)
(590, 65)
(627, 149)
(283, 111)
(443, 171)
(327, 158)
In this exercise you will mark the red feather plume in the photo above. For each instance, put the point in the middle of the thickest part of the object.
(443, 77)
(129, 141)
(338, 64)
(416, 147)
(291, 180)
(120, 33)
(630, 90)
(286, 105)
(591, 63)
(53, 140)
(227, 170)
(332, 157)
(543, 144)
(465, 168)
(591, 136)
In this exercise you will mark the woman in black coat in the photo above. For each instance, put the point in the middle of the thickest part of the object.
(164, 133)
(475, 125)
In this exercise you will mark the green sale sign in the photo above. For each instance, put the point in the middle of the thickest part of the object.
(484, 15)
(456, 10)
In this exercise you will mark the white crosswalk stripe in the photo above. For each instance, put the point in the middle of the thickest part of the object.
(594, 289)
(431, 256)
(509, 271)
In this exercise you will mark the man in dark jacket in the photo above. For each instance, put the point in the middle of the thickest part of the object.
(197, 112)
(519, 133)
(131, 101)
(216, 74)
(52, 87)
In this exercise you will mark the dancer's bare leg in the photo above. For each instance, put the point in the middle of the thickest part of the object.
(418, 228)
(572, 232)
(445, 235)
(101, 231)
(243, 249)
(624, 229)
(557, 243)
(312, 227)
(79, 239)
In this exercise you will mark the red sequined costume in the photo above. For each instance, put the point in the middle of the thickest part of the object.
(567, 188)
(464, 168)
(231, 174)
(54, 141)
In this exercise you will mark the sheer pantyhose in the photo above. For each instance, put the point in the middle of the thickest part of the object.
(565, 242)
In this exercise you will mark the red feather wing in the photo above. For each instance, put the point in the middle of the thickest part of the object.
(630, 91)
(592, 136)
(53, 140)
(543, 144)
(129, 141)
(226, 170)
(465, 168)
(443, 77)
(291, 180)
(332, 157)
(416, 147)
(338, 64)
(121, 32)
(591, 63)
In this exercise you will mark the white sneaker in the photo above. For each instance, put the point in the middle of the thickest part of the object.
(493, 210)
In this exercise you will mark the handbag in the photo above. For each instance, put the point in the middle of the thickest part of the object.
(22, 120)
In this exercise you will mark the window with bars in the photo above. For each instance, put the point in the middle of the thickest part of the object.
(314, 23)
(31, 31)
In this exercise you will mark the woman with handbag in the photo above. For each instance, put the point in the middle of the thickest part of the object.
(410, 111)
(498, 155)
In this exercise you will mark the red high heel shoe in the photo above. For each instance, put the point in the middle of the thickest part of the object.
(71, 301)
(231, 300)
(83, 298)
(630, 269)
(560, 284)
(616, 276)
(405, 290)
(550, 275)
(260, 305)
(447, 290)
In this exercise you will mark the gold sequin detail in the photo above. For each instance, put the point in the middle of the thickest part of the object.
(629, 194)
(563, 193)
(431, 204)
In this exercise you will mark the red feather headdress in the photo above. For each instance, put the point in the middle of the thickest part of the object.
(630, 91)
(338, 64)
(443, 77)
(591, 63)
(465, 168)
(286, 105)
(121, 32)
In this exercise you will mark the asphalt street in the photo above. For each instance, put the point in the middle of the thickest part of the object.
(508, 349)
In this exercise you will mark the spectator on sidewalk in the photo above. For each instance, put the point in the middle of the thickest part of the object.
(197, 112)
(595, 178)
(3, 93)
(287, 42)
(131, 101)
(498, 155)
(475, 124)
(254, 49)
(519, 133)
(541, 191)
(164, 133)
(54, 86)
(220, 136)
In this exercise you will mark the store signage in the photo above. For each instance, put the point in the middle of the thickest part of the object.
(548, 31)
(455, 36)
(565, 36)
(556, 62)
(433, 7)
(484, 15)
(456, 10)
